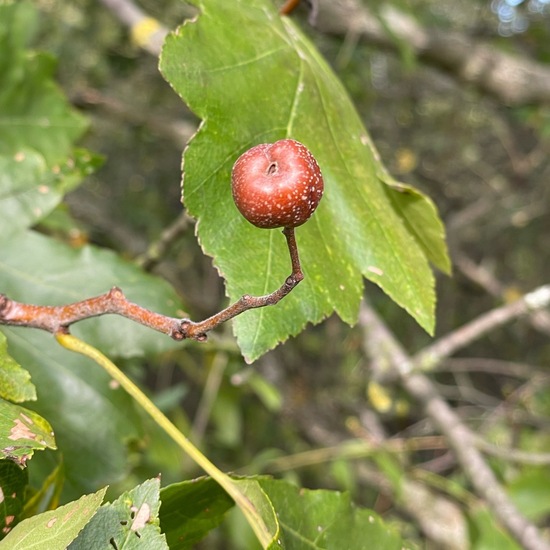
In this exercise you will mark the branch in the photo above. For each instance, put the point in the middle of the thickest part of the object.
(154, 254)
(57, 319)
(432, 355)
(540, 320)
(146, 31)
(512, 455)
(461, 439)
(512, 79)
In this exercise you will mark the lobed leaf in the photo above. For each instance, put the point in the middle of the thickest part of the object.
(252, 77)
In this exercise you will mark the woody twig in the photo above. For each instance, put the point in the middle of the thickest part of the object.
(58, 319)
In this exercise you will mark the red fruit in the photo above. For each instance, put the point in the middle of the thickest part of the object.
(277, 184)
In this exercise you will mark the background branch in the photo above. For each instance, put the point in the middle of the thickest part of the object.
(147, 32)
(512, 79)
(430, 356)
(460, 438)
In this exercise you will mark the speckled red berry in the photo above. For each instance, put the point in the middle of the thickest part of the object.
(277, 184)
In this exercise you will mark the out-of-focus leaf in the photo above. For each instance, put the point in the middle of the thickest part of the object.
(327, 520)
(34, 113)
(129, 523)
(267, 392)
(38, 162)
(486, 534)
(227, 417)
(92, 420)
(15, 381)
(48, 495)
(55, 529)
(530, 491)
(13, 483)
(22, 432)
(190, 510)
(29, 190)
(253, 77)
(37, 269)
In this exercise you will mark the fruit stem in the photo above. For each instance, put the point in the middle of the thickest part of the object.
(198, 330)
(296, 274)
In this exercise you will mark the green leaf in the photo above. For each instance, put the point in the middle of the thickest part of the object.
(22, 432)
(37, 269)
(15, 381)
(13, 484)
(190, 510)
(419, 214)
(530, 492)
(38, 128)
(34, 114)
(92, 420)
(486, 533)
(130, 522)
(29, 190)
(266, 521)
(327, 520)
(56, 529)
(48, 494)
(253, 77)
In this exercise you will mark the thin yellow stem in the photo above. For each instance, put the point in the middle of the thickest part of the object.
(73, 343)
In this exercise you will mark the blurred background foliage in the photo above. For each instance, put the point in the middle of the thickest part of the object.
(485, 164)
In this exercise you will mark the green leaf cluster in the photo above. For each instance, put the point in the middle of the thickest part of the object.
(39, 163)
(367, 226)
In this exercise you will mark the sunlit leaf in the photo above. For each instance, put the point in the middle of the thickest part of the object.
(54, 529)
(260, 84)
